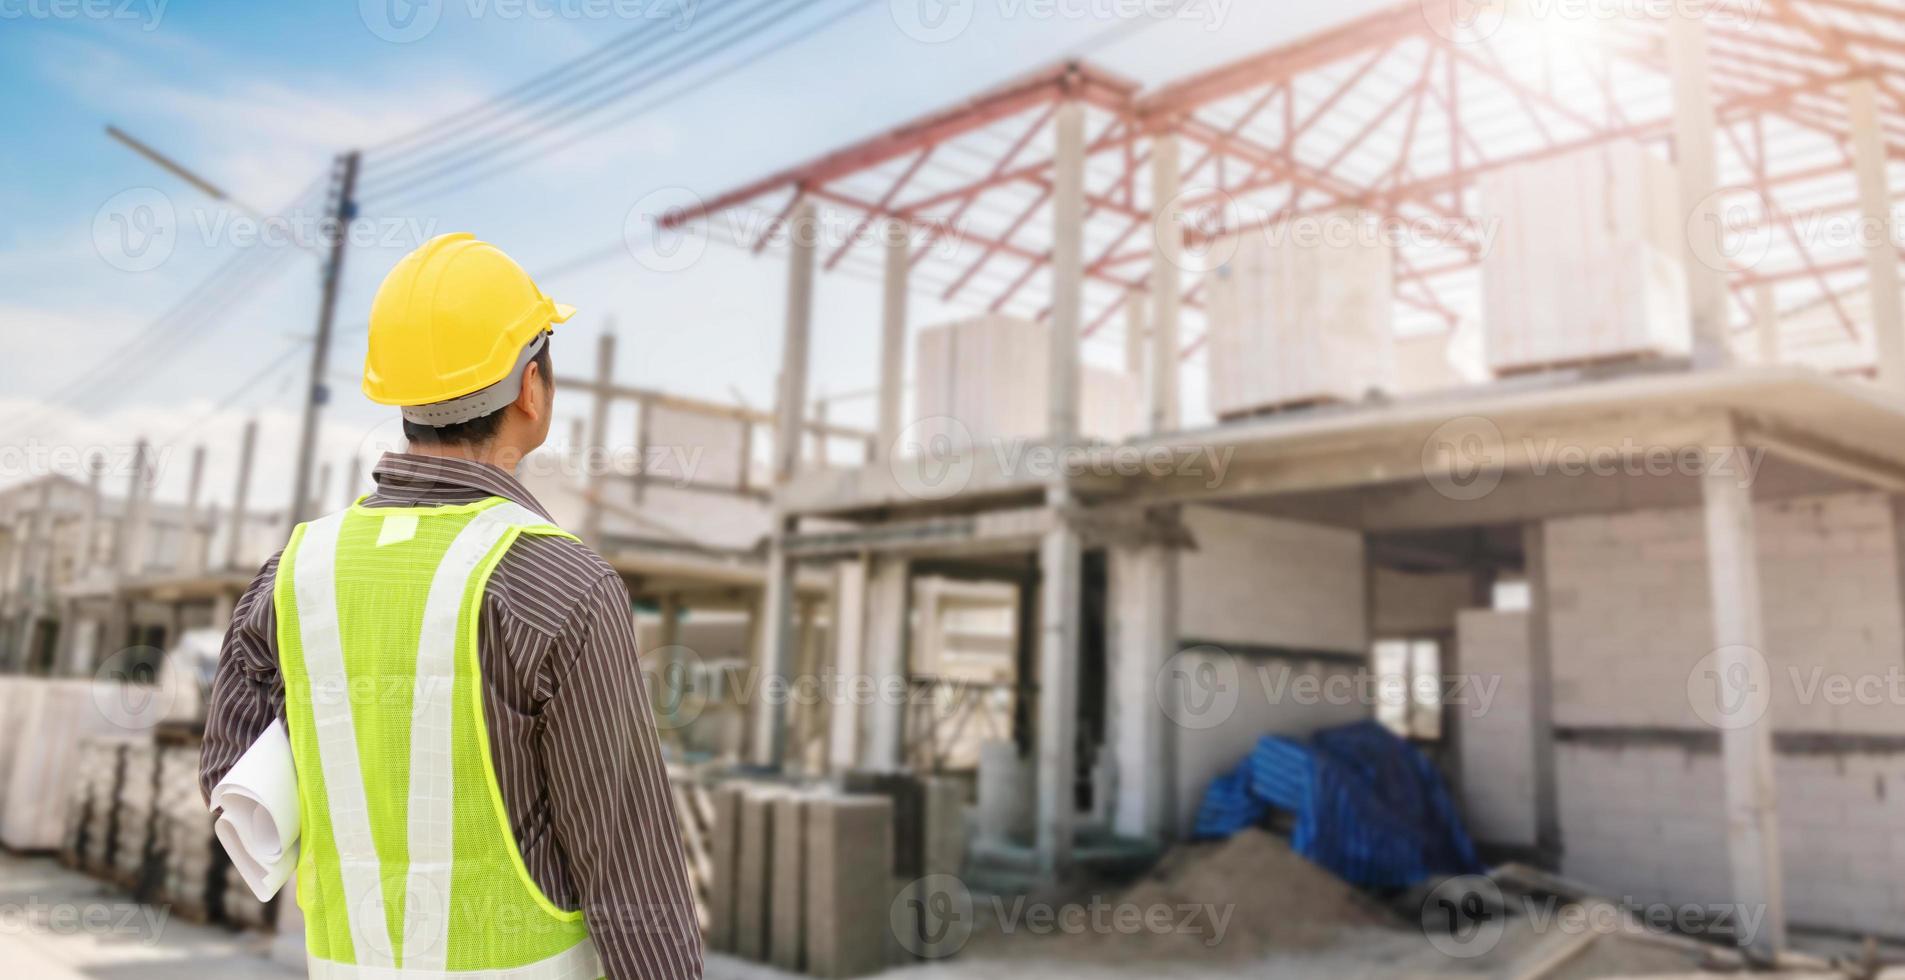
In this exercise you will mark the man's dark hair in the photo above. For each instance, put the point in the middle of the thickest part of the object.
(481, 429)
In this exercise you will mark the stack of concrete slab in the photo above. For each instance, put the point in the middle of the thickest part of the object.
(802, 878)
(184, 829)
(928, 837)
(135, 832)
(1300, 318)
(92, 803)
(55, 717)
(985, 380)
(1586, 263)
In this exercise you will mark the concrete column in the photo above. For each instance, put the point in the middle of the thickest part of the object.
(674, 685)
(887, 616)
(774, 654)
(1880, 244)
(1134, 337)
(899, 262)
(1766, 322)
(319, 492)
(1699, 177)
(235, 539)
(1547, 807)
(1743, 687)
(1060, 552)
(1167, 283)
(1068, 269)
(803, 238)
(595, 458)
(1141, 638)
(89, 532)
(131, 542)
(191, 537)
(849, 644)
(353, 478)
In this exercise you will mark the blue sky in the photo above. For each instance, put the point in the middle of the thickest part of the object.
(259, 97)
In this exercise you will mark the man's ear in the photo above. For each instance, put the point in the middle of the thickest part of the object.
(529, 400)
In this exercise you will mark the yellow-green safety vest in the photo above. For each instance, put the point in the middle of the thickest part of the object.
(408, 867)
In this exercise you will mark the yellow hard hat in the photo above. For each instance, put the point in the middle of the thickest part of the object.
(453, 318)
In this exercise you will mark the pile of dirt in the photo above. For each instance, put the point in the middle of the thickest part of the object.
(1226, 900)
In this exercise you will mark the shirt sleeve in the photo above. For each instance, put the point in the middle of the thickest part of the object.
(247, 689)
(613, 807)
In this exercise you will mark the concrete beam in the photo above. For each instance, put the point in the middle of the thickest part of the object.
(1694, 157)
(1875, 212)
(1743, 684)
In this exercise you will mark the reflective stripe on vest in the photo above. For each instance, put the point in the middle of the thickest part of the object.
(423, 923)
(577, 963)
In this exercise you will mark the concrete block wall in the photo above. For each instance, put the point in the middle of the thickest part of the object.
(1629, 612)
(1266, 581)
(1498, 759)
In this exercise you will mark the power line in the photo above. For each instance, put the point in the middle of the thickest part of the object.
(525, 93)
(518, 159)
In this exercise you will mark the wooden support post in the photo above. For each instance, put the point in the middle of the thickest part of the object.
(899, 262)
(1061, 559)
(1766, 322)
(803, 235)
(595, 459)
(235, 537)
(1699, 178)
(1739, 667)
(1167, 266)
(1880, 243)
(192, 539)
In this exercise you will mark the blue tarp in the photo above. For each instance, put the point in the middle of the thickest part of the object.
(1368, 806)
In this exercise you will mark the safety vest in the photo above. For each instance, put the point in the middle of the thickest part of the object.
(408, 867)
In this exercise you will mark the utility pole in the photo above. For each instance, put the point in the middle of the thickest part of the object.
(342, 208)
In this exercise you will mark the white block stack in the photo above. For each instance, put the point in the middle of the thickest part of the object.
(138, 798)
(1586, 260)
(991, 373)
(1299, 318)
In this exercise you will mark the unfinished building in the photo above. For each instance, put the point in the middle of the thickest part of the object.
(1610, 430)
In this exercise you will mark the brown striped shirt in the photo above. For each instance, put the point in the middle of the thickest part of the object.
(570, 728)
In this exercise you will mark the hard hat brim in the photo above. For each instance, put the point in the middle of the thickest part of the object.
(563, 312)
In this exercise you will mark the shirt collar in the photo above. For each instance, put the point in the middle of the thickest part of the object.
(420, 477)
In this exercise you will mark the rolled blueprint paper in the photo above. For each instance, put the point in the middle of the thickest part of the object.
(259, 824)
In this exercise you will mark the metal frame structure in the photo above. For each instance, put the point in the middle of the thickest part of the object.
(1391, 113)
